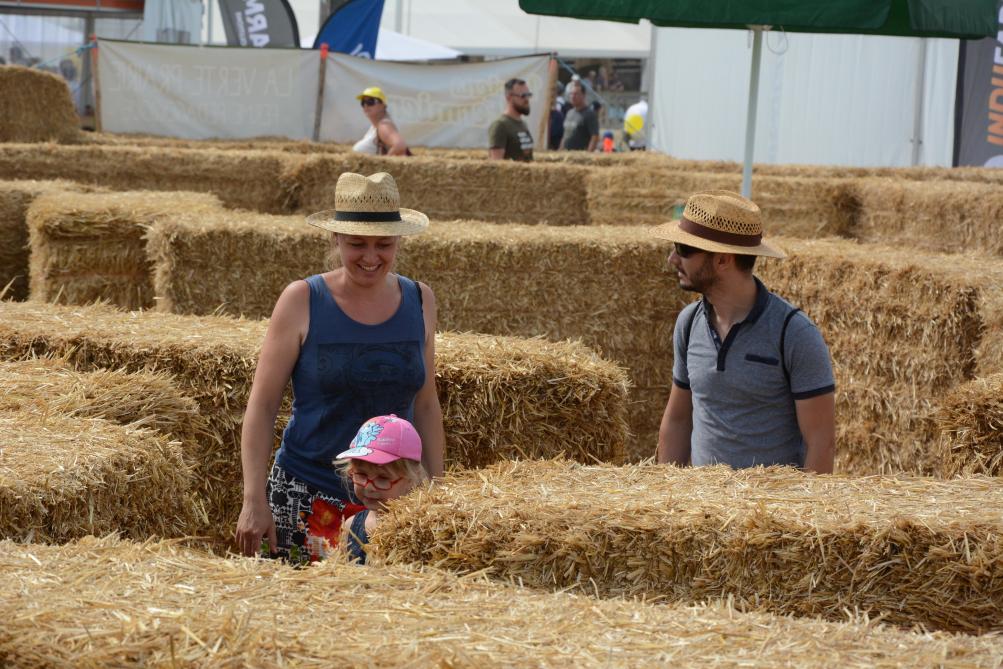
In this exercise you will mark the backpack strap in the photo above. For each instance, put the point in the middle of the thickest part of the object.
(688, 329)
(783, 336)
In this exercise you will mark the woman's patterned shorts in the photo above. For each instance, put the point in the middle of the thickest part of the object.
(307, 520)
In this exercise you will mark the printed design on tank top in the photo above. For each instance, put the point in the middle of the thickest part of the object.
(372, 374)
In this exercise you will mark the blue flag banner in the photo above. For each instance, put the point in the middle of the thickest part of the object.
(352, 28)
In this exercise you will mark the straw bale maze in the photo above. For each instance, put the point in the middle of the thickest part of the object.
(137, 274)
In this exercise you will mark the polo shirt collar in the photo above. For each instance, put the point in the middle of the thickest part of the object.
(762, 301)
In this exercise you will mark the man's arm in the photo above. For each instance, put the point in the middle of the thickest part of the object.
(593, 142)
(496, 141)
(593, 126)
(676, 428)
(496, 154)
(817, 422)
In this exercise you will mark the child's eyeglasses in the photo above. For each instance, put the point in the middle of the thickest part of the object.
(379, 482)
(369, 102)
(685, 250)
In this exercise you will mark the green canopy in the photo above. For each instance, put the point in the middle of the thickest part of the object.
(904, 18)
(968, 19)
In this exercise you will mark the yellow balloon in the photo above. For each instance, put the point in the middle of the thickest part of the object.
(633, 124)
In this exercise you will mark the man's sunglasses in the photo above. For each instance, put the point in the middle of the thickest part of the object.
(369, 102)
(524, 96)
(685, 250)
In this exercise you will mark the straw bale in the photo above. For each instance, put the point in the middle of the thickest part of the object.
(114, 603)
(796, 207)
(520, 388)
(92, 247)
(498, 191)
(15, 197)
(36, 106)
(945, 216)
(487, 278)
(64, 476)
(241, 179)
(913, 551)
(970, 419)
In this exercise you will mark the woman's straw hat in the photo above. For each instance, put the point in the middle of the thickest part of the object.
(369, 206)
(720, 221)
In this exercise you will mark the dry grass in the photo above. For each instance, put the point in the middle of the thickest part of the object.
(970, 419)
(520, 388)
(86, 248)
(112, 603)
(913, 551)
(35, 106)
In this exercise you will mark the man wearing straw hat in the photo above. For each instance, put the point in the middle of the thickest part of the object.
(752, 380)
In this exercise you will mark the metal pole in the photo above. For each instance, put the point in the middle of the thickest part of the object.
(750, 116)
(399, 17)
(917, 118)
(209, 4)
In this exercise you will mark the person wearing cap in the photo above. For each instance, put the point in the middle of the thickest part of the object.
(752, 380)
(384, 463)
(356, 342)
(383, 138)
(509, 136)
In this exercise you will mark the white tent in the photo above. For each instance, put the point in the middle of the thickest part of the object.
(392, 45)
(823, 99)
(501, 28)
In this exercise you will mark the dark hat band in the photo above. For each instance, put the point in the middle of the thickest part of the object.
(719, 236)
(368, 216)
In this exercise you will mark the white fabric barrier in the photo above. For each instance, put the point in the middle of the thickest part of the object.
(207, 92)
(823, 99)
(441, 105)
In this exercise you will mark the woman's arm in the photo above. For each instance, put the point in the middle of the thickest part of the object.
(279, 351)
(391, 137)
(427, 412)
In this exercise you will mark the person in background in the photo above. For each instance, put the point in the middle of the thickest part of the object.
(555, 130)
(384, 463)
(383, 138)
(608, 145)
(581, 124)
(509, 136)
(752, 380)
(356, 342)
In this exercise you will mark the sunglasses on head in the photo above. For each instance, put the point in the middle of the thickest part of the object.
(685, 250)
(369, 102)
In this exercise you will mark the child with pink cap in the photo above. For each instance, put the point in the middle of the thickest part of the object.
(384, 463)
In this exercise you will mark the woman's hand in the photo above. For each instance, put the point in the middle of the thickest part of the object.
(255, 522)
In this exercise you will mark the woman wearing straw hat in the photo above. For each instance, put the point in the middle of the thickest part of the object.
(357, 342)
(752, 381)
(383, 138)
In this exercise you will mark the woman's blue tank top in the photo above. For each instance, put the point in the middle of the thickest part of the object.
(347, 373)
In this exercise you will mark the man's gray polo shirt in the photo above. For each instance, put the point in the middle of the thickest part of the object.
(743, 404)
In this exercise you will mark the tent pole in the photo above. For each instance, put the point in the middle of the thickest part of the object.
(750, 116)
(917, 116)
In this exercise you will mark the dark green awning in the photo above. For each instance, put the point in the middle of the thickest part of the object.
(904, 18)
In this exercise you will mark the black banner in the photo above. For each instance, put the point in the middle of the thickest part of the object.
(978, 122)
(259, 23)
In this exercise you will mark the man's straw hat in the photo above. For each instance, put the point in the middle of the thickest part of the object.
(369, 206)
(720, 221)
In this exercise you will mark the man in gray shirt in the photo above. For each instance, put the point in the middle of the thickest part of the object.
(581, 125)
(752, 380)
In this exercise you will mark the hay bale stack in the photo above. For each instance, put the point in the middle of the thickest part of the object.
(92, 247)
(970, 419)
(792, 206)
(914, 551)
(15, 197)
(935, 215)
(36, 106)
(63, 477)
(241, 179)
(498, 191)
(522, 389)
(512, 280)
(198, 610)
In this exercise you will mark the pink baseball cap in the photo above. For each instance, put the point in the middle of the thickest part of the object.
(384, 439)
